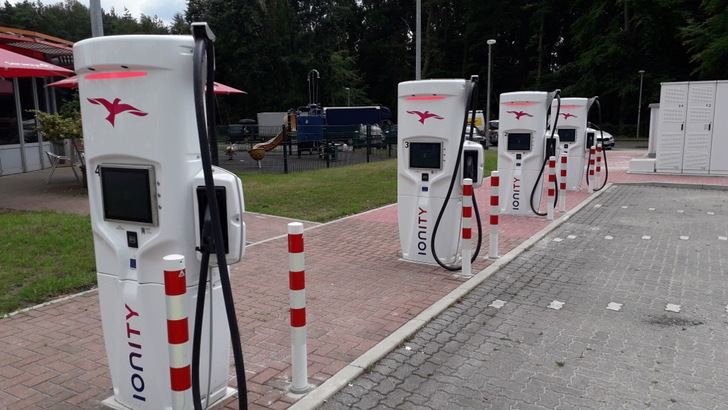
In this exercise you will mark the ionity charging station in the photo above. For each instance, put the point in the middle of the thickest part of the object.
(572, 124)
(149, 183)
(525, 142)
(433, 157)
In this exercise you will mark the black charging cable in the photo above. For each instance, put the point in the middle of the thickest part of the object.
(212, 239)
(550, 151)
(470, 107)
(604, 151)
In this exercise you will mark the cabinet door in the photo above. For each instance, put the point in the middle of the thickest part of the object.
(698, 127)
(671, 132)
(719, 150)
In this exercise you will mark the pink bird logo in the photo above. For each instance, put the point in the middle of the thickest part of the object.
(116, 108)
(519, 114)
(425, 115)
(567, 115)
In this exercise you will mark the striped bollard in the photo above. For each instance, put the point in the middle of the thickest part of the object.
(494, 212)
(178, 334)
(562, 184)
(297, 295)
(467, 234)
(592, 161)
(598, 172)
(551, 189)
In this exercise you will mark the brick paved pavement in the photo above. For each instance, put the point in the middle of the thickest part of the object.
(582, 320)
(361, 298)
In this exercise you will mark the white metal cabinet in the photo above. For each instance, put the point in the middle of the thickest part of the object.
(719, 144)
(671, 132)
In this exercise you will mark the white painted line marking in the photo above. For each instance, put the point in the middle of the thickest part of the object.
(681, 211)
(571, 236)
(598, 206)
(558, 239)
(498, 303)
(672, 308)
(723, 238)
(625, 206)
(684, 238)
(646, 237)
(556, 305)
(710, 213)
(608, 237)
(651, 209)
(614, 306)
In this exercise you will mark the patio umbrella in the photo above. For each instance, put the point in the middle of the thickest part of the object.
(72, 82)
(17, 65)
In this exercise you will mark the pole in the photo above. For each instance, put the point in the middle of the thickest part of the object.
(639, 104)
(178, 334)
(297, 295)
(494, 212)
(551, 188)
(562, 184)
(467, 233)
(97, 25)
(487, 98)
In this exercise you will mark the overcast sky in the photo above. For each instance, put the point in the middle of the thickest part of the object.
(164, 9)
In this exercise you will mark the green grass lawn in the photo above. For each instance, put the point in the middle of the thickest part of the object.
(44, 255)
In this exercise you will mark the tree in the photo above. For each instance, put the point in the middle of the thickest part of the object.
(708, 40)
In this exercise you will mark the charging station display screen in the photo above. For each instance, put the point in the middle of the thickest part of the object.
(567, 135)
(519, 141)
(426, 155)
(126, 191)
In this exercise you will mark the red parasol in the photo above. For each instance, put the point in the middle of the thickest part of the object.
(17, 65)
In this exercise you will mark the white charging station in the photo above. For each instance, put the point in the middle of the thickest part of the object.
(571, 129)
(430, 119)
(144, 166)
(522, 133)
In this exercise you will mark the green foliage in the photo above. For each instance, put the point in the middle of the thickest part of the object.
(56, 127)
(583, 47)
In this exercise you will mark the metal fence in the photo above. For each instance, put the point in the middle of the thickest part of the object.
(304, 150)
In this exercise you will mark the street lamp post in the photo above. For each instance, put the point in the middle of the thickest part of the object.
(348, 96)
(487, 98)
(639, 104)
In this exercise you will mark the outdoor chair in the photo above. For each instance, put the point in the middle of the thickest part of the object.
(60, 161)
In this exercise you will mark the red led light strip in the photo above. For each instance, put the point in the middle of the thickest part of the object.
(114, 75)
(522, 103)
(434, 97)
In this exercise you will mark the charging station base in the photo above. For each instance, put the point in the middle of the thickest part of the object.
(113, 404)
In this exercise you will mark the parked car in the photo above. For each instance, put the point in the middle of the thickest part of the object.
(603, 137)
(476, 133)
(492, 132)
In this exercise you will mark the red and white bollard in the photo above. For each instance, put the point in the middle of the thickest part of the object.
(592, 162)
(178, 334)
(297, 295)
(494, 212)
(598, 172)
(551, 189)
(562, 183)
(467, 234)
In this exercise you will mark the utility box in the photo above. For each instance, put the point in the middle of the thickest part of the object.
(692, 134)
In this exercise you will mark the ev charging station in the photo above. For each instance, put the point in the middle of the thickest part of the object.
(433, 157)
(145, 177)
(522, 147)
(572, 124)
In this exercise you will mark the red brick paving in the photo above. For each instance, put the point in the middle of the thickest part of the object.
(358, 292)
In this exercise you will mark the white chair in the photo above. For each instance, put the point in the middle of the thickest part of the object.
(60, 161)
